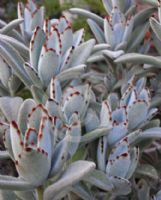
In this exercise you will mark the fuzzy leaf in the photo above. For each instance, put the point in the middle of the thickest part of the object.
(25, 108)
(14, 60)
(19, 46)
(33, 75)
(100, 180)
(71, 73)
(10, 107)
(146, 170)
(136, 58)
(36, 43)
(98, 33)
(12, 183)
(87, 14)
(156, 26)
(74, 173)
(138, 109)
(38, 94)
(33, 166)
(81, 53)
(60, 156)
(48, 66)
(121, 186)
(11, 25)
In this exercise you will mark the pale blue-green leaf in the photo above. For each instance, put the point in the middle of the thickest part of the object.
(82, 53)
(71, 73)
(118, 33)
(119, 161)
(97, 31)
(95, 58)
(16, 139)
(134, 162)
(143, 16)
(53, 107)
(107, 5)
(121, 186)
(137, 58)
(5, 72)
(143, 190)
(12, 183)
(63, 24)
(75, 136)
(3, 90)
(10, 107)
(95, 134)
(33, 75)
(7, 143)
(102, 153)
(128, 30)
(37, 18)
(45, 137)
(78, 37)
(91, 120)
(100, 180)
(48, 66)
(138, 109)
(113, 54)
(38, 94)
(60, 155)
(58, 89)
(132, 137)
(33, 166)
(34, 117)
(87, 14)
(25, 108)
(153, 133)
(20, 12)
(105, 115)
(13, 33)
(4, 155)
(13, 84)
(7, 195)
(151, 2)
(146, 170)
(66, 39)
(26, 195)
(36, 43)
(130, 11)
(21, 47)
(82, 191)
(15, 61)
(156, 27)
(73, 174)
(137, 36)
(100, 47)
(11, 25)
(113, 100)
(108, 32)
(116, 134)
(121, 46)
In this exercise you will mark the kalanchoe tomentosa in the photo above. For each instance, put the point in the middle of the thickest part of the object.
(32, 141)
(33, 16)
(56, 49)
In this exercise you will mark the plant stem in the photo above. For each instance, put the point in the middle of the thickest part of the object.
(40, 192)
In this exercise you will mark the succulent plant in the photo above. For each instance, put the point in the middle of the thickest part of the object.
(33, 16)
(91, 127)
(31, 140)
(52, 53)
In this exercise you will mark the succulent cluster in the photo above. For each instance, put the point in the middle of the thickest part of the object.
(90, 125)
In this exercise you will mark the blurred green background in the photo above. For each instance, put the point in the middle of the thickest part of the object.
(54, 8)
